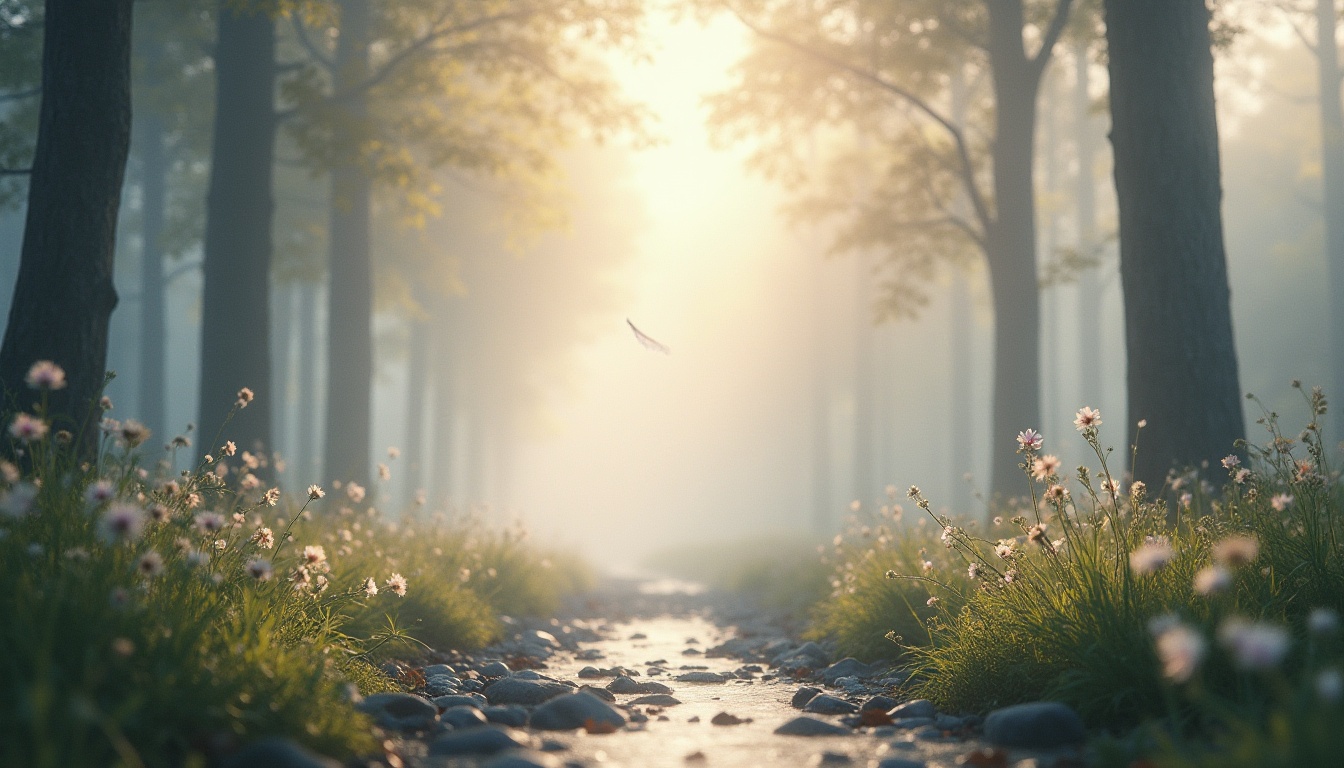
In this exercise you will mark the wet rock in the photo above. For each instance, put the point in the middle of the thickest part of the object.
(725, 718)
(624, 685)
(589, 654)
(901, 762)
(485, 740)
(808, 655)
(914, 708)
(434, 670)
(809, 726)
(601, 693)
(575, 710)
(276, 753)
(460, 700)
(399, 711)
(847, 667)
(462, 717)
(529, 693)
(825, 704)
(850, 685)
(525, 760)
(910, 723)
(639, 636)
(804, 695)
(880, 703)
(701, 677)
(692, 652)
(511, 715)
(472, 686)
(655, 700)
(553, 745)
(831, 758)
(948, 722)
(1036, 725)
(441, 685)
(494, 669)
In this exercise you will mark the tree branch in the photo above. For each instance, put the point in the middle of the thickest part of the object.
(873, 78)
(16, 95)
(301, 34)
(16, 171)
(1052, 33)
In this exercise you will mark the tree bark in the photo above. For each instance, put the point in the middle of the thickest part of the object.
(236, 315)
(1182, 374)
(350, 300)
(1332, 192)
(64, 294)
(153, 332)
(1090, 359)
(417, 386)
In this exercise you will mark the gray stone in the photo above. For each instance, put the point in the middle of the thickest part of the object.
(901, 762)
(525, 760)
(399, 711)
(909, 723)
(508, 714)
(883, 703)
(471, 686)
(948, 722)
(1035, 725)
(575, 710)
(803, 695)
(276, 752)
(460, 700)
(808, 655)
(529, 693)
(914, 708)
(441, 685)
(655, 700)
(624, 685)
(601, 693)
(485, 740)
(701, 677)
(493, 669)
(463, 716)
(831, 758)
(434, 670)
(825, 704)
(848, 667)
(808, 726)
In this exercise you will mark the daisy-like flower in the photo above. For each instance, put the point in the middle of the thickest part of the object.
(1187, 499)
(18, 501)
(1254, 645)
(100, 492)
(1005, 549)
(355, 491)
(109, 426)
(1087, 418)
(272, 496)
(159, 513)
(1029, 440)
(892, 575)
(973, 570)
(1151, 556)
(244, 397)
(1057, 494)
(1230, 461)
(27, 429)
(45, 375)
(263, 537)
(1111, 487)
(1212, 580)
(384, 473)
(998, 519)
(1236, 551)
(926, 567)
(150, 564)
(1181, 650)
(1045, 466)
(397, 583)
(464, 575)
(229, 448)
(105, 403)
(249, 482)
(1241, 475)
(134, 433)
(209, 522)
(393, 452)
(1281, 501)
(314, 555)
(315, 492)
(9, 472)
(120, 523)
(260, 569)
(370, 587)
(1009, 576)
(932, 601)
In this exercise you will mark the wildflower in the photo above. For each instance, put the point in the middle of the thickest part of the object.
(315, 492)
(464, 575)
(973, 570)
(1137, 490)
(197, 559)
(229, 448)
(384, 473)
(272, 496)
(244, 397)
(1037, 534)
(1235, 551)
(221, 545)
(99, 493)
(1329, 684)
(150, 564)
(1322, 621)
(134, 433)
(192, 500)
(263, 537)
(397, 583)
(209, 522)
(1305, 471)
(314, 555)
(121, 522)
(259, 569)
(249, 482)
(1213, 579)
(1010, 576)
(123, 647)
(1057, 494)
(1254, 645)
(170, 488)
(1280, 501)
(159, 513)
(913, 492)
(998, 520)
(1186, 500)
(109, 426)
(27, 429)
(320, 584)
(1151, 556)
(421, 497)
(301, 578)
(1240, 475)
(1045, 466)
(105, 403)
(1005, 549)
(1111, 486)
(180, 441)
(1181, 649)
(932, 601)
(18, 501)
(1231, 460)
(1029, 440)
(45, 375)
(926, 567)
(355, 491)
(370, 587)
(1086, 419)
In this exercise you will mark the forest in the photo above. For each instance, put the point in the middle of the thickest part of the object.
(966, 365)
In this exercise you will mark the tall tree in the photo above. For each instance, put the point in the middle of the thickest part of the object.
(1178, 324)
(64, 295)
(236, 317)
(1329, 77)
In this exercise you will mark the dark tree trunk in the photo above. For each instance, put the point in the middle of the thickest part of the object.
(1011, 247)
(1089, 282)
(236, 316)
(153, 332)
(442, 460)
(1178, 324)
(64, 295)
(350, 301)
(417, 386)
(1332, 181)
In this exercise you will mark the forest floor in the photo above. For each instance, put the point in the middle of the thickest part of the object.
(680, 677)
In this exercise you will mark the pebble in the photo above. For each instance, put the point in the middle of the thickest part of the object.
(847, 667)
(900, 762)
(803, 695)
(725, 718)
(463, 716)
(460, 700)
(701, 677)
(831, 758)
(399, 711)
(625, 685)
(529, 693)
(808, 726)
(1035, 725)
(655, 700)
(508, 714)
(494, 669)
(276, 752)
(881, 703)
(485, 740)
(601, 693)
(825, 704)
(435, 670)
(914, 708)
(575, 710)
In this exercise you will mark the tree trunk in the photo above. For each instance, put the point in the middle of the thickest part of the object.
(306, 419)
(1178, 324)
(417, 385)
(350, 300)
(1332, 197)
(1051, 365)
(1011, 247)
(443, 458)
(865, 413)
(1090, 359)
(153, 332)
(64, 295)
(236, 314)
